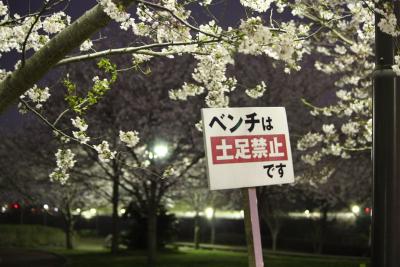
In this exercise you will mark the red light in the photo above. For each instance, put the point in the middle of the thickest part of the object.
(367, 211)
(15, 206)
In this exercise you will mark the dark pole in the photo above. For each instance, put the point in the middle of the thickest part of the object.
(386, 155)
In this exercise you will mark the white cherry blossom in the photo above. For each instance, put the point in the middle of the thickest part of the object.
(130, 138)
(104, 152)
(65, 161)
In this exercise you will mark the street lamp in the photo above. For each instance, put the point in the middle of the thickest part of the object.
(355, 209)
(160, 150)
(122, 211)
(307, 213)
(209, 212)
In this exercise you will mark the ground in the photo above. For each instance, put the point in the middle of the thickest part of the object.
(91, 254)
(18, 257)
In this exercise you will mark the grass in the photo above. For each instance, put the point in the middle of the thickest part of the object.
(90, 254)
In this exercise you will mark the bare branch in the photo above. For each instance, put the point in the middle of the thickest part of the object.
(46, 121)
(129, 50)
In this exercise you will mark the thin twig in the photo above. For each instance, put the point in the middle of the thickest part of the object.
(44, 8)
(48, 123)
(128, 50)
(190, 26)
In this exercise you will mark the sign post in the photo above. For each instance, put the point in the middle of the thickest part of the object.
(252, 227)
(246, 148)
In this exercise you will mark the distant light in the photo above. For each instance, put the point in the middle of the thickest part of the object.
(307, 213)
(242, 213)
(15, 206)
(46, 207)
(160, 150)
(3, 209)
(122, 211)
(368, 211)
(355, 209)
(209, 212)
(78, 210)
(56, 209)
(88, 214)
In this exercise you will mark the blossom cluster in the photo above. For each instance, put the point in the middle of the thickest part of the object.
(170, 24)
(82, 127)
(86, 45)
(130, 138)
(65, 161)
(37, 96)
(257, 91)
(117, 14)
(104, 152)
(257, 5)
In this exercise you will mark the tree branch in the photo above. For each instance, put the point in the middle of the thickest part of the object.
(127, 50)
(185, 23)
(52, 126)
(41, 12)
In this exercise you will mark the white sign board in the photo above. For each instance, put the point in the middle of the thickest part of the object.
(247, 147)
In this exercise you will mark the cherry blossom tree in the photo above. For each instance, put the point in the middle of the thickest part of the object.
(346, 52)
(140, 176)
(335, 185)
(25, 164)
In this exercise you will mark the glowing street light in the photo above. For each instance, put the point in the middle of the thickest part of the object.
(307, 213)
(160, 151)
(122, 211)
(355, 209)
(209, 212)
(46, 207)
(88, 214)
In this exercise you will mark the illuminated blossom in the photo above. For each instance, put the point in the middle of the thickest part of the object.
(130, 138)
(104, 152)
(65, 161)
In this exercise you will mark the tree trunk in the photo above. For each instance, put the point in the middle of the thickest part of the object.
(115, 217)
(151, 235)
(274, 226)
(212, 237)
(69, 229)
(272, 216)
(320, 231)
(69, 236)
(196, 234)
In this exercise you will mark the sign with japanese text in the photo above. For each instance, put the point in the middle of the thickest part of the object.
(247, 147)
